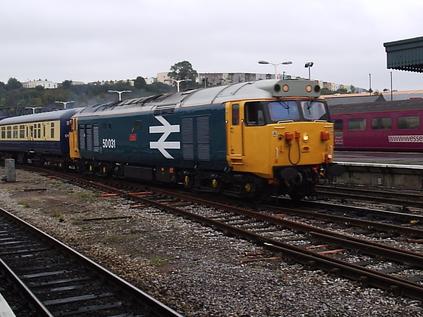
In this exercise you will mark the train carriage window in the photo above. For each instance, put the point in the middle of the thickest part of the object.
(381, 123)
(15, 132)
(9, 132)
(235, 114)
(3, 133)
(254, 113)
(44, 130)
(409, 122)
(339, 125)
(52, 130)
(21, 132)
(31, 131)
(356, 124)
(39, 130)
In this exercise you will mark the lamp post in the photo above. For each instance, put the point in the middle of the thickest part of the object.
(177, 81)
(370, 84)
(275, 65)
(119, 92)
(33, 109)
(64, 103)
(309, 65)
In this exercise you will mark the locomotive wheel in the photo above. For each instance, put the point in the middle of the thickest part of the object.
(216, 185)
(188, 182)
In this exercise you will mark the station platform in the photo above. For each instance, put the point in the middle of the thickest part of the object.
(5, 310)
(385, 158)
(393, 170)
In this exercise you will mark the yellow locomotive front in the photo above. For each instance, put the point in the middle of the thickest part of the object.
(286, 140)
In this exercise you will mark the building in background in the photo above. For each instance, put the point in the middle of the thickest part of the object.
(42, 83)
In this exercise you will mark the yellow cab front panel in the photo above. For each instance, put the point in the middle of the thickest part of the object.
(257, 149)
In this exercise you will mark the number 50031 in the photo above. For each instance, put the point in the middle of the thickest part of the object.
(109, 143)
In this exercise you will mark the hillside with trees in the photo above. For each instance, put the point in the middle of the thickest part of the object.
(14, 98)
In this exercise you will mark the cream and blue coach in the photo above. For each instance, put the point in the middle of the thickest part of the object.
(37, 136)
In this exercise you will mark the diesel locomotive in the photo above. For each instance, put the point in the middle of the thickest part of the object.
(265, 137)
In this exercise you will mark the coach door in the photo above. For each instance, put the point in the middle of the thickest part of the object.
(235, 123)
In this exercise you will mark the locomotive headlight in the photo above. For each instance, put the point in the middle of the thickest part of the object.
(285, 88)
(305, 137)
(308, 88)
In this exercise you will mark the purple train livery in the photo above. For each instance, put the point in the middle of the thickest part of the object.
(379, 126)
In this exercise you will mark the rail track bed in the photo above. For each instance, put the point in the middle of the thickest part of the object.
(400, 198)
(371, 263)
(55, 280)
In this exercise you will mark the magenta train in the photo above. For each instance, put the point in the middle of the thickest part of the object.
(379, 126)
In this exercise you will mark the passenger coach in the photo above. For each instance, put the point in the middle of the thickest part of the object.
(379, 126)
(37, 136)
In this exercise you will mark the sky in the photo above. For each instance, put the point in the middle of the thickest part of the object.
(90, 40)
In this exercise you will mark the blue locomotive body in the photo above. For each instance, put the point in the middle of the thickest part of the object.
(189, 137)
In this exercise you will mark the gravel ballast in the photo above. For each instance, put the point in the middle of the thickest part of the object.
(194, 269)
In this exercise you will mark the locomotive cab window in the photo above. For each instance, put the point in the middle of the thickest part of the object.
(381, 123)
(409, 122)
(314, 110)
(283, 111)
(356, 124)
(254, 113)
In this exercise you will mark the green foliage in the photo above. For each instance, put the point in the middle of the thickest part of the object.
(183, 70)
(14, 98)
(13, 83)
(140, 83)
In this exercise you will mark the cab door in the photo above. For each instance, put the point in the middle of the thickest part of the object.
(235, 123)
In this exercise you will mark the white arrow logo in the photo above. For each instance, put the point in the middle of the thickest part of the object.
(162, 145)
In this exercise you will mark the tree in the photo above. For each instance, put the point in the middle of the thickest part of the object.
(183, 70)
(140, 83)
(353, 89)
(67, 84)
(13, 83)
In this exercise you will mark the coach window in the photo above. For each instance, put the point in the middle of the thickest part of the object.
(254, 113)
(339, 125)
(408, 122)
(9, 132)
(52, 130)
(3, 133)
(235, 114)
(356, 124)
(15, 132)
(381, 123)
(39, 131)
(44, 130)
(21, 132)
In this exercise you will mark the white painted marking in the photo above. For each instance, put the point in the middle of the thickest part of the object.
(162, 145)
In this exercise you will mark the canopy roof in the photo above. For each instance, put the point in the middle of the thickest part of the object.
(405, 54)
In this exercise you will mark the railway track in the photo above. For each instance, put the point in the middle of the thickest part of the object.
(371, 263)
(55, 280)
(373, 195)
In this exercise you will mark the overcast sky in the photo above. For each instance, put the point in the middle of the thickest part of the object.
(92, 40)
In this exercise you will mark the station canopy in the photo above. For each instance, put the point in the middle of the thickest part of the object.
(405, 54)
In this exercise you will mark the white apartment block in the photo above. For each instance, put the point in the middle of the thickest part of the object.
(43, 83)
